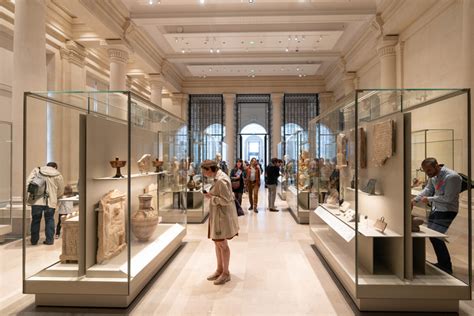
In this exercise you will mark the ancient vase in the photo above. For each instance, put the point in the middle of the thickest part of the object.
(145, 219)
(191, 184)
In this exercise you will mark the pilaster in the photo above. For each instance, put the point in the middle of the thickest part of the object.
(277, 111)
(229, 122)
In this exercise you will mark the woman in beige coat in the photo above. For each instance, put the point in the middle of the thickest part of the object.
(223, 222)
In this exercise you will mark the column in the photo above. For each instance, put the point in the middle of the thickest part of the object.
(326, 101)
(388, 73)
(229, 122)
(66, 130)
(29, 65)
(118, 68)
(399, 64)
(277, 112)
(348, 82)
(156, 87)
(387, 56)
(180, 105)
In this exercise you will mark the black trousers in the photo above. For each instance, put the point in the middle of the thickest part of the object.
(440, 222)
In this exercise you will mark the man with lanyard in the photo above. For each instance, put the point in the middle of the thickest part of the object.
(442, 192)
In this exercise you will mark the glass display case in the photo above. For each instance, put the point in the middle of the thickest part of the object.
(125, 160)
(283, 178)
(426, 143)
(377, 243)
(6, 219)
(300, 169)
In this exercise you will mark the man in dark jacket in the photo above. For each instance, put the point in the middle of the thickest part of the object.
(272, 172)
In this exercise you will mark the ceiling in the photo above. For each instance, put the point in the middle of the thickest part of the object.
(237, 38)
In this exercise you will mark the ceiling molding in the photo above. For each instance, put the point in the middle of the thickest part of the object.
(288, 84)
(237, 18)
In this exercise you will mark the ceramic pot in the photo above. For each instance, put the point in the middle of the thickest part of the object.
(145, 219)
(191, 184)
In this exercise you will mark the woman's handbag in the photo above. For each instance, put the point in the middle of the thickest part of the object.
(380, 224)
(240, 211)
(235, 184)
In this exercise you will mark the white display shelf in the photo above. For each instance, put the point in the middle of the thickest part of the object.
(362, 192)
(142, 253)
(74, 198)
(341, 226)
(427, 232)
(134, 175)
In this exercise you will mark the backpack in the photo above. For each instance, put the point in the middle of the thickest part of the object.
(465, 182)
(37, 186)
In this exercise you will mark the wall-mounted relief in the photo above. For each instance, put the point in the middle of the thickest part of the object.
(111, 228)
(383, 142)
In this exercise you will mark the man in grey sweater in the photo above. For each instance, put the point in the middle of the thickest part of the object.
(442, 191)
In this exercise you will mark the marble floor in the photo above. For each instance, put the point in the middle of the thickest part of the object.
(274, 268)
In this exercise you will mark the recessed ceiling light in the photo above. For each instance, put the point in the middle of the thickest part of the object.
(218, 50)
(251, 42)
(211, 51)
(279, 42)
(176, 39)
(289, 38)
(202, 1)
(251, 1)
(183, 51)
(298, 69)
(223, 43)
(210, 69)
(296, 38)
(282, 69)
(300, 75)
(287, 49)
(242, 42)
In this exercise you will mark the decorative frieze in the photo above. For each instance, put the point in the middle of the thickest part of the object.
(74, 53)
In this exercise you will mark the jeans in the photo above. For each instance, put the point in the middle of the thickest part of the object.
(440, 222)
(272, 189)
(36, 214)
(238, 197)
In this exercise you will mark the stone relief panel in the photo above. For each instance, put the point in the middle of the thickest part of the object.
(111, 226)
(384, 142)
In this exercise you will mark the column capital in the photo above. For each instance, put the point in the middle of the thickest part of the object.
(386, 45)
(74, 52)
(277, 96)
(229, 97)
(156, 78)
(118, 55)
(179, 99)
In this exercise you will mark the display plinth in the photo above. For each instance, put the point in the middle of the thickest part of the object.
(108, 278)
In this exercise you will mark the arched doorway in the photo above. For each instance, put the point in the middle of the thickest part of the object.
(254, 143)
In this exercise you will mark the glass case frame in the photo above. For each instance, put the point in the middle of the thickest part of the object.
(301, 195)
(121, 237)
(388, 268)
(6, 151)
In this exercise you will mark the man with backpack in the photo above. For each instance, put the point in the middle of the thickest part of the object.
(442, 192)
(44, 185)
